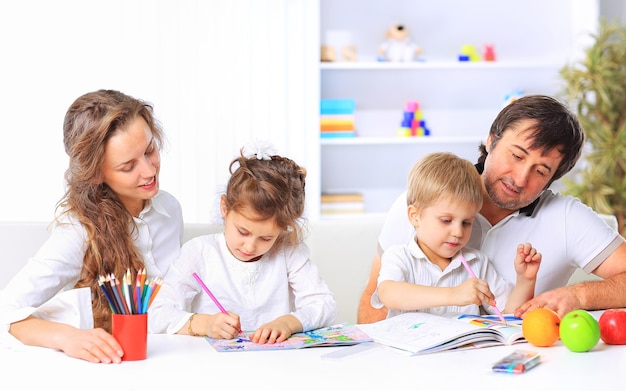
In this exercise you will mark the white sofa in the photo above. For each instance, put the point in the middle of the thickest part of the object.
(342, 249)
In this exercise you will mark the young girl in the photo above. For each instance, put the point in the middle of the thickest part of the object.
(258, 269)
(444, 195)
(113, 217)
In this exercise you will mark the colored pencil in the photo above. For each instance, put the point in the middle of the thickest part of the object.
(138, 291)
(109, 288)
(117, 291)
(208, 292)
(146, 298)
(129, 292)
(125, 294)
(143, 283)
(471, 273)
(106, 294)
(124, 298)
(206, 289)
(157, 286)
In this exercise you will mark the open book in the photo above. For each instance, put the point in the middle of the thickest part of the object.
(337, 335)
(420, 332)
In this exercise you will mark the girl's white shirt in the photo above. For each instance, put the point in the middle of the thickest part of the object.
(44, 286)
(286, 282)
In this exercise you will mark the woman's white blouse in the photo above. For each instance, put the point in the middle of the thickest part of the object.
(56, 266)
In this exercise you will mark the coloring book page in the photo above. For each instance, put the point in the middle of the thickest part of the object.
(336, 335)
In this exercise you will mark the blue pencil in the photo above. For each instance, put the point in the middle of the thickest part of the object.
(138, 296)
(111, 290)
(106, 295)
(146, 298)
(116, 294)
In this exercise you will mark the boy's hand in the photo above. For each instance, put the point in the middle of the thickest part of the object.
(474, 291)
(527, 261)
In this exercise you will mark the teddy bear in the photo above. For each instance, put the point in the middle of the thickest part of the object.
(398, 46)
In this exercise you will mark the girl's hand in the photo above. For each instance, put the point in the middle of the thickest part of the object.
(220, 325)
(277, 330)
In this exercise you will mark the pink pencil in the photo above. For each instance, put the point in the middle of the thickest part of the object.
(471, 272)
(206, 289)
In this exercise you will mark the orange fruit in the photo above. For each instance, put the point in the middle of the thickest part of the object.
(541, 327)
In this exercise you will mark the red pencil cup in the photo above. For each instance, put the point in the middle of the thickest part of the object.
(131, 331)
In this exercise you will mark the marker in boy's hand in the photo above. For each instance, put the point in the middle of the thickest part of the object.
(471, 273)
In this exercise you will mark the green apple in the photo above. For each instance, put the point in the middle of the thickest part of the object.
(579, 331)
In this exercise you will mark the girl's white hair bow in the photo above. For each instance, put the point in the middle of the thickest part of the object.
(263, 150)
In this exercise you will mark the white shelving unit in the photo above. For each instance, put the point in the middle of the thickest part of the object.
(533, 40)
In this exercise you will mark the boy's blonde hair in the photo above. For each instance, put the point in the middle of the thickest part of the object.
(443, 175)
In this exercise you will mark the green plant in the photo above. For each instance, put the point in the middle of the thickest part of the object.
(596, 88)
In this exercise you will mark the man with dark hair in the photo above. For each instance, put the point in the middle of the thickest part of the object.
(533, 141)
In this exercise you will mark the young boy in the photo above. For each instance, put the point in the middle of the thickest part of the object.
(427, 274)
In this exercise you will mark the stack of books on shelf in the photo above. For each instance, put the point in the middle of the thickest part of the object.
(337, 118)
(342, 203)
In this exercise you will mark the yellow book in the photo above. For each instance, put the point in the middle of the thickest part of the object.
(341, 197)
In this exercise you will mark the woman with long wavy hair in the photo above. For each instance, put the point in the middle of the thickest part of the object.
(112, 218)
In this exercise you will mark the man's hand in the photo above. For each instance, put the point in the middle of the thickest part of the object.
(562, 300)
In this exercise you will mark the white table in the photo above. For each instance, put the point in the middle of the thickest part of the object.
(186, 363)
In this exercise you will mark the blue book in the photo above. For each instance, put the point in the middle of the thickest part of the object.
(337, 106)
(337, 134)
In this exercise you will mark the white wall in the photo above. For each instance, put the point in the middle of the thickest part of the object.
(219, 73)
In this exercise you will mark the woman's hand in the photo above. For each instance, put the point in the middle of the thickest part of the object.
(93, 345)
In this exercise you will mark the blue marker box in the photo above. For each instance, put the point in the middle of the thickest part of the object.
(517, 362)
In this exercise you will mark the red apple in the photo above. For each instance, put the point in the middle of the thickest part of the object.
(613, 326)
